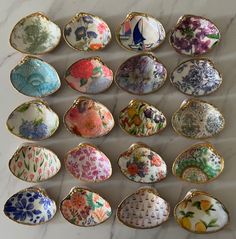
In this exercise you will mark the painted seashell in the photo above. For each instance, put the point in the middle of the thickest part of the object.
(197, 77)
(87, 32)
(87, 163)
(141, 74)
(144, 209)
(33, 120)
(200, 212)
(194, 35)
(140, 32)
(142, 165)
(33, 163)
(34, 77)
(197, 119)
(88, 118)
(31, 206)
(35, 34)
(89, 76)
(91, 209)
(140, 118)
(200, 163)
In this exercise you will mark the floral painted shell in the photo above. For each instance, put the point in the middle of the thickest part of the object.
(199, 163)
(87, 163)
(89, 76)
(33, 120)
(141, 74)
(196, 77)
(85, 208)
(141, 119)
(87, 32)
(197, 119)
(31, 206)
(142, 165)
(140, 32)
(143, 209)
(199, 212)
(194, 35)
(88, 118)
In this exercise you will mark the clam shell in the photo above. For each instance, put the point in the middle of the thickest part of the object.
(141, 74)
(87, 163)
(34, 77)
(33, 163)
(140, 32)
(196, 77)
(199, 163)
(88, 118)
(197, 119)
(143, 209)
(91, 209)
(87, 32)
(194, 35)
(35, 34)
(31, 206)
(89, 76)
(33, 120)
(200, 212)
(142, 165)
(140, 118)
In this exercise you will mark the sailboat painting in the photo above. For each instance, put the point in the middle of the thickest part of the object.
(140, 32)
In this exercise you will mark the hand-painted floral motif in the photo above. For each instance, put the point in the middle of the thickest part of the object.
(34, 77)
(33, 163)
(142, 165)
(141, 74)
(196, 77)
(85, 208)
(31, 206)
(33, 120)
(197, 119)
(88, 118)
(35, 34)
(89, 76)
(199, 212)
(200, 163)
(140, 32)
(144, 209)
(87, 163)
(86, 32)
(194, 35)
(141, 119)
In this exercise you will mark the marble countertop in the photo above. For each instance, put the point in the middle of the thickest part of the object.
(167, 99)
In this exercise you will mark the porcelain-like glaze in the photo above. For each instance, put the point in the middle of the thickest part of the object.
(141, 74)
(88, 118)
(199, 212)
(196, 77)
(87, 32)
(142, 165)
(85, 208)
(197, 119)
(35, 34)
(89, 76)
(30, 206)
(140, 32)
(144, 209)
(33, 120)
(34, 77)
(194, 35)
(87, 163)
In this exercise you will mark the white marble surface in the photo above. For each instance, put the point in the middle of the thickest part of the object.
(168, 144)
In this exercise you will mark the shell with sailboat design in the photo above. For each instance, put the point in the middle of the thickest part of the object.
(140, 32)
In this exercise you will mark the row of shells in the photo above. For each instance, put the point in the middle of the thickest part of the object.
(35, 34)
(198, 212)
